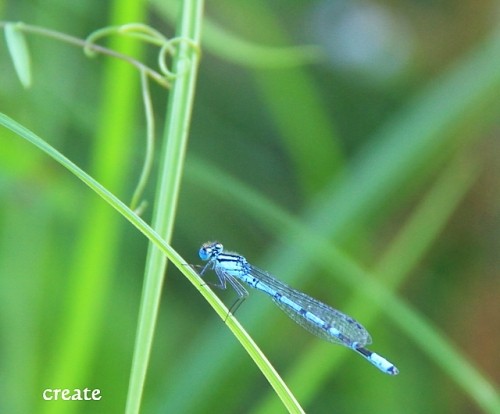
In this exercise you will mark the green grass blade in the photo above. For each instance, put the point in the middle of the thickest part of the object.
(179, 109)
(281, 389)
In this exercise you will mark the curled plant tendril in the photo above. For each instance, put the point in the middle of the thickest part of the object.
(135, 30)
(168, 47)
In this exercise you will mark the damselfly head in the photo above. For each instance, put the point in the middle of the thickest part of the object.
(210, 250)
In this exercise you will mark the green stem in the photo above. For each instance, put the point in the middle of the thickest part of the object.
(185, 65)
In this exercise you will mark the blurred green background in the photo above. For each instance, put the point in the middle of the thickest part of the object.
(380, 141)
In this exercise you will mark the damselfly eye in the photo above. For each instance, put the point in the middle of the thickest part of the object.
(205, 252)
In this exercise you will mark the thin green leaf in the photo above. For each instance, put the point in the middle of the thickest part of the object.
(19, 52)
(252, 349)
